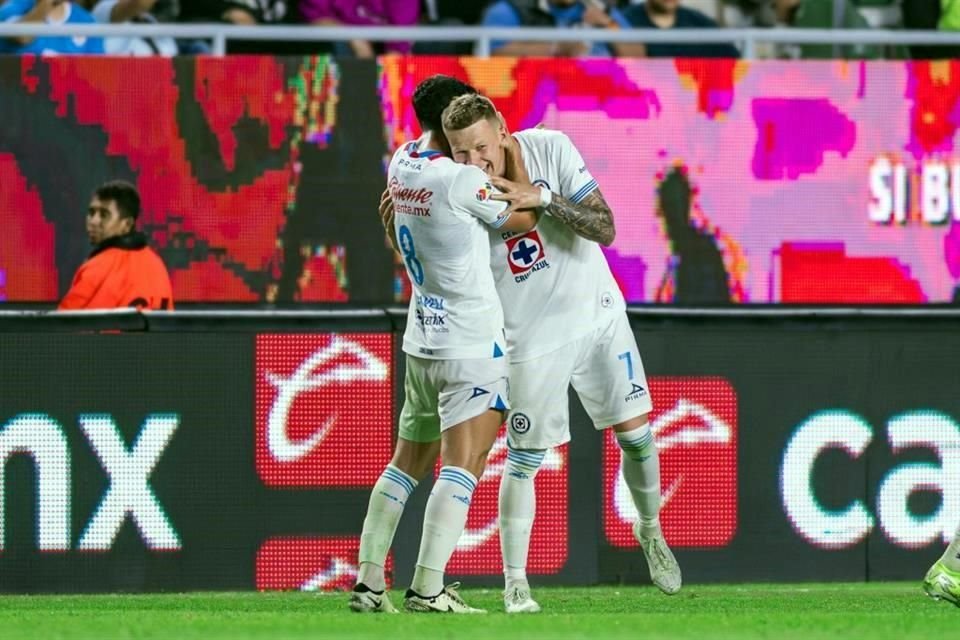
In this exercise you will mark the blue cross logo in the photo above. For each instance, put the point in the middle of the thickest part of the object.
(524, 252)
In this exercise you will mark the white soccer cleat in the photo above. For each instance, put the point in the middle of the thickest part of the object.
(363, 600)
(941, 583)
(517, 599)
(447, 601)
(664, 570)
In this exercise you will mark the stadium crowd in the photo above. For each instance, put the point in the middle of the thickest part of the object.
(562, 14)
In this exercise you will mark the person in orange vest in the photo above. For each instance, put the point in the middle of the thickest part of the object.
(122, 271)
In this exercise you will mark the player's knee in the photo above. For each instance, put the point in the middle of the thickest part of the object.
(523, 464)
(638, 443)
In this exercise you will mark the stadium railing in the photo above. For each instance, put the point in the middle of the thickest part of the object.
(747, 39)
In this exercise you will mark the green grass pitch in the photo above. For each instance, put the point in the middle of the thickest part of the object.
(875, 611)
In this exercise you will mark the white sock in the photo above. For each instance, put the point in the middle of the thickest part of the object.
(641, 472)
(443, 522)
(951, 557)
(387, 500)
(518, 506)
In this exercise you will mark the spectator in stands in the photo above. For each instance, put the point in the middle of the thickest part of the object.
(363, 13)
(241, 12)
(819, 14)
(560, 13)
(668, 14)
(932, 14)
(122, 271)
(135, 11)
(51, 12)
(449, 13)
(453, 12)
(238, 12)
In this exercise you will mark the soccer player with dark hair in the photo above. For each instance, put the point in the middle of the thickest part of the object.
(122, 271)
(455, 385)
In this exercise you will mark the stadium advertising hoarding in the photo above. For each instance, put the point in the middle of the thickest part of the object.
(752, 182)
(807, 451)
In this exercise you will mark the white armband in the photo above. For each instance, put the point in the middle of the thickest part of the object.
(546, 197)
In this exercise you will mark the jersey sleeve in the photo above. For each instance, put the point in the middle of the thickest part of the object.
(576, 183)
(13, 10)
(470, 193)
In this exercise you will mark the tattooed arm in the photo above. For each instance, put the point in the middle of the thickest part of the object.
(591, 218)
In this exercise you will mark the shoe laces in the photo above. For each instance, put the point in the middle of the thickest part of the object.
(518, 594)
(451, 591)
(655, 550)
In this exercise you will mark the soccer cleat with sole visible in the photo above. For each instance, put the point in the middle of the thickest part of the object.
(363, 600)
(664, 570)
(447, 601)
(941, 583)
(517, 599)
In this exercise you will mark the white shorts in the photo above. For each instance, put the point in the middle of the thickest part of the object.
(606, 372)
(443, 393)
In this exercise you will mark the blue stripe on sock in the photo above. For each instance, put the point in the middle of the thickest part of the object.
(453, 475)
(401, 480)
(456, 481)
(640, 441)
(462, 480)
(533, 459)
(526, 453)
(458, 472)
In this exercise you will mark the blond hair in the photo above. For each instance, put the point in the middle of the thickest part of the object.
(466, 110)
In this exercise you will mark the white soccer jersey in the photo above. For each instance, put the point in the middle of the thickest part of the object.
(554, 285)
(441, 212)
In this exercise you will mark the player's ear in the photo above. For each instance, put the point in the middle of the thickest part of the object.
(440, 139)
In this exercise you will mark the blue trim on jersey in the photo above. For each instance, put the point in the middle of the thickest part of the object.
(497, 351)
(500, 404)
(500, 221)
(584, 191)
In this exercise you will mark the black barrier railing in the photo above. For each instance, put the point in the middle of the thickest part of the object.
(236, 450)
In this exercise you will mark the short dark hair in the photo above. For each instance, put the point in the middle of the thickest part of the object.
(124, 194)
(433, 95)
(468, 110)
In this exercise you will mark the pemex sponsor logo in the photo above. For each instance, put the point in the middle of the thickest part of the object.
(478, 550)
(317, 396)
(694, 423)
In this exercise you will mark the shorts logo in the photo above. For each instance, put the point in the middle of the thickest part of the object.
(479, 391)
(525, 254)
(636, 392)
(520, 423)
